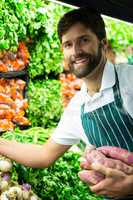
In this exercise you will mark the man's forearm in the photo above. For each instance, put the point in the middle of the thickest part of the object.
(32, 155)
(26, 154)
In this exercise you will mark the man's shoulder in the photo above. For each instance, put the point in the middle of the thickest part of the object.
(125, 75)
(124, 67)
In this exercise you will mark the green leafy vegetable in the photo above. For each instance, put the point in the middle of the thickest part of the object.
(45, 104)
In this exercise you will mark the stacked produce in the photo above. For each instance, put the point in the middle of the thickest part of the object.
(70, 85)
(10, 190)
(10, 61)
(12, 88)
(12, 104)
(110, 157)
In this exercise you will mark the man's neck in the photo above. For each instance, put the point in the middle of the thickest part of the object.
(94, 80)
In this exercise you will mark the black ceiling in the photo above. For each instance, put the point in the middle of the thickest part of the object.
(121, 9)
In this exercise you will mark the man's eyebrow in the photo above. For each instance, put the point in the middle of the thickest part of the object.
(65, 42)
(80, 37)
(85, 35)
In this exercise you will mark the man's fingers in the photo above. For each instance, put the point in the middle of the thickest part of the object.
(109, 172)
(99, 186)
(84, 163)
(90, 176)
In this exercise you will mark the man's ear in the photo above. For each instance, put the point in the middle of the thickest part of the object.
(104, 43)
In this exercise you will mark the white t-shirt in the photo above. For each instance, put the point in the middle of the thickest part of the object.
(69, 130)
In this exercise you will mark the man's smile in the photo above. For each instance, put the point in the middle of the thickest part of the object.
(80, 61)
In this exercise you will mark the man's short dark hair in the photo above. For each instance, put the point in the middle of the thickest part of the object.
(89, 18)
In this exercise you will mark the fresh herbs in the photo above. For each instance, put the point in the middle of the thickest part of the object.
(45, 104)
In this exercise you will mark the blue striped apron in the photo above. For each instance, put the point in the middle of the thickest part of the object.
(110, 124)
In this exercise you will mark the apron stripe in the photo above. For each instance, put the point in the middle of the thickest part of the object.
(125, 125)
(117, 129)
(99, 134)
(103, 126)
(111, 128)
(93, 130)
(87, 125)
(130, 120)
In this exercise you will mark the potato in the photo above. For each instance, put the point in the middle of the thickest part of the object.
(117, 153)
(112, 157)
(90, 176)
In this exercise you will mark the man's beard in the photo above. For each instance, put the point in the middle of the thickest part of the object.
(93, 61)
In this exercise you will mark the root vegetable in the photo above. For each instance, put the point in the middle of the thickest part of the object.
(15, 192)
(26, 195)
(5, 165)
(26, 188)
(90, 176)
(34, 197)
(6, 177)
(4, 186)
(96, 156)
(4, 182)
(4, 196)
(117, 153)
(112, 157)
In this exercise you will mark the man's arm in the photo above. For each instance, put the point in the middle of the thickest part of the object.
(32, 155)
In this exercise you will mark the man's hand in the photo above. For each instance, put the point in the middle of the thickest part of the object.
(116, 183)
(108, 171)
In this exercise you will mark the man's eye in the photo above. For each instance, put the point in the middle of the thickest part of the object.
(67, 46)
(85, 40)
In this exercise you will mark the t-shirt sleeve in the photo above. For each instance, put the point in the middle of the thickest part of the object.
(125, 75)
(69, 130)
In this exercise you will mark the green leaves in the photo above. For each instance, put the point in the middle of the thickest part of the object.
(45, 104)
(59, 181)
(45, 57)
(36, 135)
(119, 33)
(19, 20)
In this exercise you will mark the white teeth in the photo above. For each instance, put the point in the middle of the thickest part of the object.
(80, 61)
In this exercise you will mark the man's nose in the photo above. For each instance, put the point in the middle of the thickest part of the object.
(77, 49)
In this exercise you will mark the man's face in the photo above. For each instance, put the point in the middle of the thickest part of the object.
(81, 49)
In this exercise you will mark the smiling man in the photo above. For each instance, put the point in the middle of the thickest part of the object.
(100, 114)
(82, 50)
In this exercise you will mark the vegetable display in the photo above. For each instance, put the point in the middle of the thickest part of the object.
(60, 181)
(10, 190)
(70, 85)
(12, 104)
(10, 61)
(45, 103)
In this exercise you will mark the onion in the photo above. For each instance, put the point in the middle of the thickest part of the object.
(4, 185)
(5, 165)
(6, 177)
(15, 192)
(33, 197)
(26, 186)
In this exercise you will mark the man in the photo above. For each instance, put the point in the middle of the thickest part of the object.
(100, 114)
